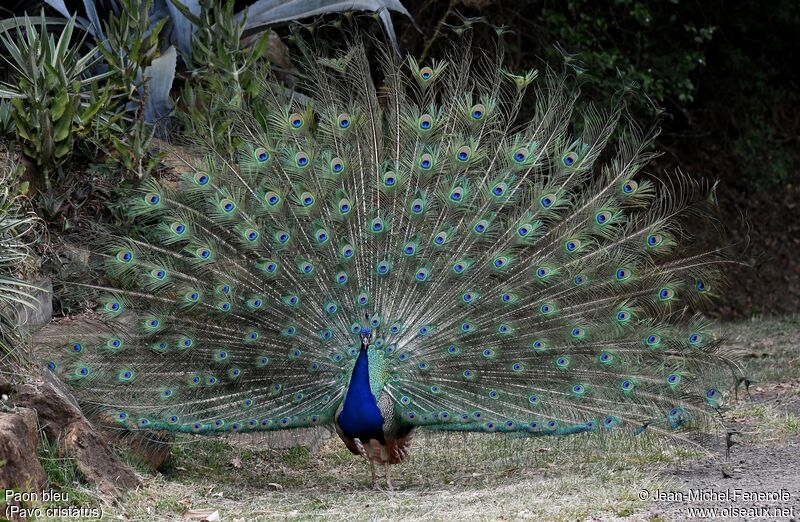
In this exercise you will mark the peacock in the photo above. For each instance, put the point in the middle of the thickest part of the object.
(377, 259)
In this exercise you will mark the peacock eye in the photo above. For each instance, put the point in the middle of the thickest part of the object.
(301, 159)
(296, 120)
(227, 205)
(629, 186)
(261, 154)
(425, 122)
(478, 111)
(344, 120)
(426, 161)
(521, 154)
(569, 159)
(623, 274)
(426, 73)
(272, 198)
(601, 218)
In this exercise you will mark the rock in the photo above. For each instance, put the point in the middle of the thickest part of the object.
(20, 469)
(63, 423)
(96, 461)
(33, 320)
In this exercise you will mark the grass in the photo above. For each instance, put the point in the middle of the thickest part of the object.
(768, 348)
(456, 476)
(448, 473)
(63, 475)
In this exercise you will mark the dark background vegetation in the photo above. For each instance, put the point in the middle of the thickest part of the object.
(723, 73)
(726, 75)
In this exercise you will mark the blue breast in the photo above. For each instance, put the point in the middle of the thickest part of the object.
(360, 416)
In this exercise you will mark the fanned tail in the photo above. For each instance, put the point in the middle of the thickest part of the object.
(518, 278)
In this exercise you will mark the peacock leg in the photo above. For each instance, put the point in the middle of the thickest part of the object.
(374, 477)
(388, 478)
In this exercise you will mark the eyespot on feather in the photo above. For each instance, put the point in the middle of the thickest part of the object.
(296, 120)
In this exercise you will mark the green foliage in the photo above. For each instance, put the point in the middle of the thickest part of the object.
(16, 227)
(223, 73)
(6, 118)
(55, 96)
(721, 71)
(219, 58)
(657, 46)
(131, 47)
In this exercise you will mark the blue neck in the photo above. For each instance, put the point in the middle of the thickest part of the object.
(360, 416)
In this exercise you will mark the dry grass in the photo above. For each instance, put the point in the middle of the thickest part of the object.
(449, 476)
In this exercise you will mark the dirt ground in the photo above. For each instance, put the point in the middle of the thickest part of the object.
(756, 464)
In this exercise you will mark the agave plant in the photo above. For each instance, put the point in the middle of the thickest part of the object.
(17, 227)
(182, 19)
(54, 95)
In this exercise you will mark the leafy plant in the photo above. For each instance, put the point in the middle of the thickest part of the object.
(182, 19)
(6, 118)
(130, 50)
(55, 95)
(222, 72)
(16, 230)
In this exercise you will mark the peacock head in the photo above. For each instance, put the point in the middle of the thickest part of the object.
(366, 336)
